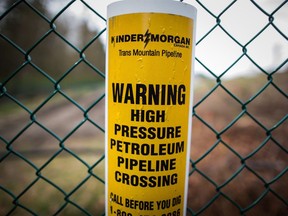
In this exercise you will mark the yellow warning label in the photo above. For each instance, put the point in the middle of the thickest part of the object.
(149, 82)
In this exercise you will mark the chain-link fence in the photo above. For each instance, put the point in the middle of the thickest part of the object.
(52, 112)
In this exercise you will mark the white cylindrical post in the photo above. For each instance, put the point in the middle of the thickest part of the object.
(149, 92)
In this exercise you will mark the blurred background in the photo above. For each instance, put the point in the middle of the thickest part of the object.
(52, 77)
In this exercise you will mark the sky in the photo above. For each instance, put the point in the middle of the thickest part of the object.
(217, 51)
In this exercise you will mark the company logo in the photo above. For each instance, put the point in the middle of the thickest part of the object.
(148, 37)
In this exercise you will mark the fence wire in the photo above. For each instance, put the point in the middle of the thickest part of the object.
(52, 137)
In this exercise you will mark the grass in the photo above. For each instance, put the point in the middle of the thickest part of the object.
(55, 184)
(53, 179)
(47, 170)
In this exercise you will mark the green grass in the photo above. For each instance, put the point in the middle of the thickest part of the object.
(65, 172)
(45, 184)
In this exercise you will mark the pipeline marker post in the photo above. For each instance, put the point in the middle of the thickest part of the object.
(149, 86)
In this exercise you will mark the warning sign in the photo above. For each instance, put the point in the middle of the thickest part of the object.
(148, 113)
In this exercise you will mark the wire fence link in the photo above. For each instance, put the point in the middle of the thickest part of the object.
(52, 118)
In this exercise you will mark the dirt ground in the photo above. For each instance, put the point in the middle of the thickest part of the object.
(245, 171)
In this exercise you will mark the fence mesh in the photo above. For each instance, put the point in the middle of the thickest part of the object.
(52, 117)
